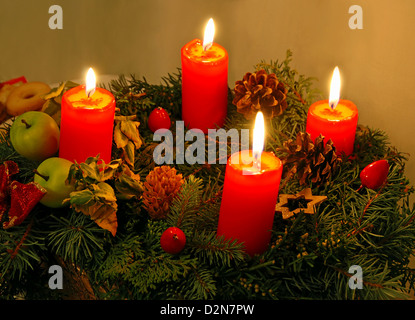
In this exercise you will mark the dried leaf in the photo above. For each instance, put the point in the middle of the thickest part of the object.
(90, 170)
(125, 118)
(129, 153)
(110, 169)
(127, 171)
(129, 186)
(51, 107)
(98, 202)
(127, 137)
(80, 198)
(54, 92)
(106, 218)
(120, 139)
(130, 130)
(74, 175)
(104, 191)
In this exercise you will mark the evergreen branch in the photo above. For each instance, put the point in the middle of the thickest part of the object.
(19, 250)
(368, 204)
(15, 251)
(185, 205)
(215, 250)
(75, 239)
(147, 273)
(201, 284)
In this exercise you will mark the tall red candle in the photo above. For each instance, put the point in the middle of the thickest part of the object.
(249, 197)
(86, 124)
(335, 119)
(204, 84)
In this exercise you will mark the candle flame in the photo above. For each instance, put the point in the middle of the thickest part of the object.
(209, 33)
(258, 139)
(335, 88)
(90, 83)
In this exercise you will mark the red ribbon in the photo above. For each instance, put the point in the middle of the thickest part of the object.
(16, 198)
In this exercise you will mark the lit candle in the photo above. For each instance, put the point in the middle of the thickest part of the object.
(335, 119)
(250, 193)
(87, 120)
(204, 82)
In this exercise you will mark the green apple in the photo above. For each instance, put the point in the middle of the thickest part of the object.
(35, 135)
(51, 174)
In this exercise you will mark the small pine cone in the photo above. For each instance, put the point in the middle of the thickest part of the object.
(315, 162)
(161, 186)
(260, 92)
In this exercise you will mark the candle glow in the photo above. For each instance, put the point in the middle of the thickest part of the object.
(250, 192)
(209, 34)
(334, 119)
(204, 82)
(334, 88)
(90, 83)
(258, 139)
(87, 120)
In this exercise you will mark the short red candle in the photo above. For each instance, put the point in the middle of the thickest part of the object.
(338, 124)
(248, 200)
(204, 85)
(87, 123)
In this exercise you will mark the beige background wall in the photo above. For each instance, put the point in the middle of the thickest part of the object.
(145, 36)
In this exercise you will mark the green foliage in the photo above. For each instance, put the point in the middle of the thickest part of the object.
(18, 251)
(75, 238)
(309, 255)
(185, 206)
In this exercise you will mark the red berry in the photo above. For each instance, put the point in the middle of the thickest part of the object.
(173, 240)
(375, 174)
(159, 119)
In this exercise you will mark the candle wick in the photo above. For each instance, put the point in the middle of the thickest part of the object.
(90, 92)
(207, 46)
(333, 105)
(257, 160)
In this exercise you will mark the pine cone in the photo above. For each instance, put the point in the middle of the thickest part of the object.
(260, 92)
(315, 162)
(161, 186)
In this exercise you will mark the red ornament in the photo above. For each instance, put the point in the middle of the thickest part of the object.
(173, 240)
(7, 169)
(18, 198)
(374, 175)
(23, 199)
(159, 119)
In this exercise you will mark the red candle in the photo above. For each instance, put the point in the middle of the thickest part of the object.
(87, 120)
(335, 119)
(249, 197)
(204, 83)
